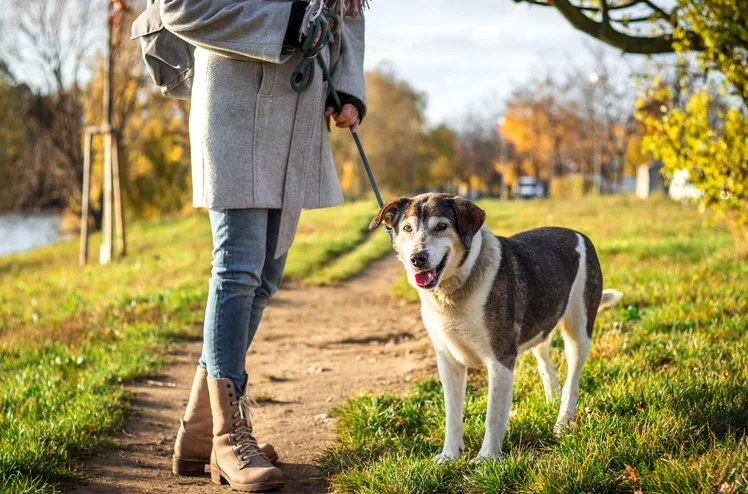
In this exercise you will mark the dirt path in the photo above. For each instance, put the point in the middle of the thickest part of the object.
(316, 347)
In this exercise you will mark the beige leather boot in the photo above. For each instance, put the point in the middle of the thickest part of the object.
(195, 437)
(237, 459)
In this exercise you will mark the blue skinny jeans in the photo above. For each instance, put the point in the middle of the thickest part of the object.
(244, 277)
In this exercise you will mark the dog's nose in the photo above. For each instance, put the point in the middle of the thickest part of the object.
(419, 259)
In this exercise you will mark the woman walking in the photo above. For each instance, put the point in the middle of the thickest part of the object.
(260, 153)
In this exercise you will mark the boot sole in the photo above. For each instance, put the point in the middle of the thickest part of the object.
(188, 468)
(218, 478)
(196, 468)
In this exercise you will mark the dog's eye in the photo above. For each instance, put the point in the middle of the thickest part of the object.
(407, 228)
(441, 227)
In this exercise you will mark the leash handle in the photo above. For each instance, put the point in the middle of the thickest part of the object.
(303, 76)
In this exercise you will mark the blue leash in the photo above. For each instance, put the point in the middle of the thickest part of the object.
(303, 76)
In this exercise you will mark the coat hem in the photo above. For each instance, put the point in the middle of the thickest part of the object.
(203, 205)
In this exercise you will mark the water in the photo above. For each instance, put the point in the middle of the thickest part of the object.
(24, 231)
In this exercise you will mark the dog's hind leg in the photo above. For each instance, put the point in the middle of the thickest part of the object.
(546, 369)
(577, 347)
(577, 331)
(500, 380)
(454, 380)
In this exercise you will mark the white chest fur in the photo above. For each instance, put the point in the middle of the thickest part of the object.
(459, 329)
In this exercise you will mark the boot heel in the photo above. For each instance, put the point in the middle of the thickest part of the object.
(188, 468)
(215, 476)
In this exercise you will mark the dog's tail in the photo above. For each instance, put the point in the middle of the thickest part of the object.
(610, 297)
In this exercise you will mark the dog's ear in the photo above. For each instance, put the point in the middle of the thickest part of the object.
(388, 212)
(470, 219)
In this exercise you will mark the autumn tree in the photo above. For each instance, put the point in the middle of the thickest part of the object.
(404, 154)
(693, 136)
(439, 154)
(393, 129)
(479, 148)
(15, 143)
(537, 121)
(566, 122)
(708, 137)
(154, 154)
(703, 123)
(51, 39)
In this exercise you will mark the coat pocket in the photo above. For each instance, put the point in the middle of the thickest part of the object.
(169, 59)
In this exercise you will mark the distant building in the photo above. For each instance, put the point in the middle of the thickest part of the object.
(649, 179)
(628, 184)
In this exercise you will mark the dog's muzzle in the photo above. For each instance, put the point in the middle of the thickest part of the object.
(428, 278)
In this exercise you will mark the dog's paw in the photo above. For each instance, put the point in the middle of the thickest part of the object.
(561, 428)
(445, 457)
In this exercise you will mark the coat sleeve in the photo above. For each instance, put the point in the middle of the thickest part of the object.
(244, 29)
(348, 71)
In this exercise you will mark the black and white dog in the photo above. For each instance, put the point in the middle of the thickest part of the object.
(486, 299)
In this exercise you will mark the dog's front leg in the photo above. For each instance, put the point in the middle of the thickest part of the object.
(454, 379)
(500, 380)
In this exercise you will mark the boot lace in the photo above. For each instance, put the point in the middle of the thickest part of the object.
(247, 446)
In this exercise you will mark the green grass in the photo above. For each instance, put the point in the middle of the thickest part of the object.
(71, 338)
(664, 401)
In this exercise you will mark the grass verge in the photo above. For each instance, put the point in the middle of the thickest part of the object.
(71, 338)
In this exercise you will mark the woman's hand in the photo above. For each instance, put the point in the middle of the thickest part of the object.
(348, 117)
(316, 39)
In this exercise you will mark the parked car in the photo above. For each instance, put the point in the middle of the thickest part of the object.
(530, 187)
(681, 188)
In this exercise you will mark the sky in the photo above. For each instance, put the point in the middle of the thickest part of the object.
(466, 53)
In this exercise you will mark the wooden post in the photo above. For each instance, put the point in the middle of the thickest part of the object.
(118, 213)
(112, 193)
(86, 194)
(105, 254)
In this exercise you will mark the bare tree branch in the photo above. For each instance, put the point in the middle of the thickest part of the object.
(606, 14)
(53, 39)
(586, 8)
(606, 32)
(633, 20)
(48, 43)
(657, 9)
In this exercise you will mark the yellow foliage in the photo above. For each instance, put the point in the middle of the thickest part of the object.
(568, 187)
(715, 157)
(348, 179)
(154, 158)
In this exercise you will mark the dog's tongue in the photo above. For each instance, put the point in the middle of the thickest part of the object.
(424, 278)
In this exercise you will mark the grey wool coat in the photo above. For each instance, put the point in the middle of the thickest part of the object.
(256, 143)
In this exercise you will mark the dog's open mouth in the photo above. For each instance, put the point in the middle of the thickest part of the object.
(429, 278)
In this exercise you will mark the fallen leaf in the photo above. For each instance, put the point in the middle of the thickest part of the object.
(631, 472)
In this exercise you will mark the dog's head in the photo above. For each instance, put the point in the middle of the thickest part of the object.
(432, 234)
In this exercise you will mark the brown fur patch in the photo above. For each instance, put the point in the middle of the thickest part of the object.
(388, 213)
(470, 219)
